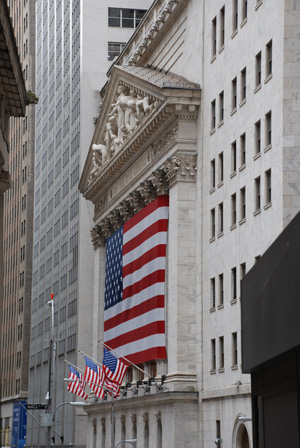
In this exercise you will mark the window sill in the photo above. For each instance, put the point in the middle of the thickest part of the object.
(220, 234)
(221, 123)
(257, 156)
(257, 88)
(233, 111)
(233, 226)
(212, 190)
(268, 205)
(212, 131)
(221, 370)
(221, 49)
(233, 301)
(243, 102)
(213, 371)
(242, 221)
(212, 239)
(220, 184)
(213, 58)
(220, 307)
(242, 167)
(257, 212)
(212, 310)
(235, 367)
(268, 78)
(245, 20)
(259, 3)
(268, 147)
(234, 33)
(233, 174)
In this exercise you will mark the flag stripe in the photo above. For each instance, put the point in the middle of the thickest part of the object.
(144, 283)
(131, 336)
(157, 227)
(151, 254)
(145, 344)
(150, 243)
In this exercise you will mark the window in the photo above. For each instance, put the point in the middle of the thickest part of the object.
(269, 59)
(235, 15)
(233, 157)
(212, 174)
(218, 433)
(125, 18)
(222, 27)
(233, 209)
(213, 223)
(257, 136)
(244, 9)
(242, 271)
(213, 114)
(221, 107)
(257, 193)
(268, 187)
(214, 37)
(212, 293)
(213, 354)
(114, 49)
(233, 285)
(243, 202)
(221, 221)
(243, 84)
(221, 167)
(258, 69)
(221, 352)
(268, 127)
(234, 350)
(221, 290)
(234, 93)
(243, 149)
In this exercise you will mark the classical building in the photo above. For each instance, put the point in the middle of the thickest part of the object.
(202, 105)
(15, 211)
(76, 41)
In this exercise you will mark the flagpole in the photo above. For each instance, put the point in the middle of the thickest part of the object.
(92, 359)
(73, 365)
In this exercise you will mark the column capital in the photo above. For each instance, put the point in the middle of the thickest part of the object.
(181, 167)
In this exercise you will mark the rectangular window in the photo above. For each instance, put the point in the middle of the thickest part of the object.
(221, 352)
(269, 51)
(235, 15)
(243, 84)
(245, 10)
(257, 193)
(212, 174)
(213, 293)
(233, 157)
(213, 223)
(222, 27)
(218, 434)
(233, 209)
(268, 187)
(114, 49)
(221, 168)
(234, 93)
(221, 289)
(221, 221)
(268, 128)
(233, 285)
(257, 136)
(243, 148)
(213, 354)
(242, 270)
(234, 350)
(125, 18)
(214, 37)
(221, 107)
(213, 114)
(243, 202)
(258, 69)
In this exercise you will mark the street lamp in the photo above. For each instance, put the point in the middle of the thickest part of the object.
(131, 441)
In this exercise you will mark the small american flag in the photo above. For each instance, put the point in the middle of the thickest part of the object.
(94, 376)
(134, 323)
(114, 370)
(77, 385)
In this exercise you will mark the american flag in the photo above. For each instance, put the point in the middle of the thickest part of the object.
(114, 371)
(77, 385)
(94, 375)
(134, 323)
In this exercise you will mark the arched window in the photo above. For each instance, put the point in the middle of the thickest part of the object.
(242, 438)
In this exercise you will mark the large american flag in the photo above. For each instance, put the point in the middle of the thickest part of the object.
(134, 323)
(76, 385)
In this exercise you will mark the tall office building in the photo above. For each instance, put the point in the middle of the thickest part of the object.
(75, 44)
(17, 234)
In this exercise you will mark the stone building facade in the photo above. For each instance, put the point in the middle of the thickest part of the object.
(218, 130)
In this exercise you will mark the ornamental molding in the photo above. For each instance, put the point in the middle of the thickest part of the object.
(181, 168)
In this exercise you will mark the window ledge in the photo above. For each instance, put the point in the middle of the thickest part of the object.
(242, 167)
(234, 33)
(212, 190)
(257, 88)
(221, 123)
(244, 22)
(268, 205)
(220, 307)
(221, 370)
(212, 310)
(233, 301)
(233, 111)
(212, 239)
(212, 131)
(257, 156)
(213, 58)
(220, 234)
(268, 147)
(233, 226)
(243, 102)
(257, 212)
(268, 78)
(235, 367)
(213, 371)
(233, 174)
(221, 49)
(242, 221)
(220, 184)
(259, 3)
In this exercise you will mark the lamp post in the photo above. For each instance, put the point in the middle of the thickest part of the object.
(130, 441)
(71, 403)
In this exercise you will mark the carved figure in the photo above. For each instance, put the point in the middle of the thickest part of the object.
(99, 158)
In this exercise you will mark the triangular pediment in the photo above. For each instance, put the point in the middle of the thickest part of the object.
(136, 100)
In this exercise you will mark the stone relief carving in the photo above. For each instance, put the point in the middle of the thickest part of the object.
(127, 112)
(162, 143)
(180, 168)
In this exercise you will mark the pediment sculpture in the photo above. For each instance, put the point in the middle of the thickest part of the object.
(128, 111)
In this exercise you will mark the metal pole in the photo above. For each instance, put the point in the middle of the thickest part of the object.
(51, 365)
(112, 423)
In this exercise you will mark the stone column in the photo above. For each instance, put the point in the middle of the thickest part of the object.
(181, 272)
(4, 186)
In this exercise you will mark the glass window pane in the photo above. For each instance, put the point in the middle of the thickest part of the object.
(114, 22)
(114, 12)
(127, 23)
(127, 13)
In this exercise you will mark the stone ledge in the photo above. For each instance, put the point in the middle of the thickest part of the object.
(226, 392)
